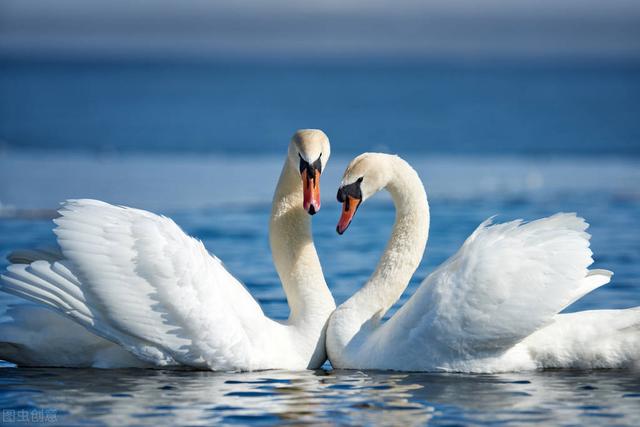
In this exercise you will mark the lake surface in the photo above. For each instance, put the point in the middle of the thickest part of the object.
(142, 397)
(468, 107)
(178, 140)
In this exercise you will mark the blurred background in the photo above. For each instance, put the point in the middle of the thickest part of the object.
(529, 77)
(520, 108)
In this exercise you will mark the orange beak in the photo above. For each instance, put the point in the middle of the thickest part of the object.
(311, 191)
(349, 208)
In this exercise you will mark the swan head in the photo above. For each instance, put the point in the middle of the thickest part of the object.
(365, 176)
(309, 152)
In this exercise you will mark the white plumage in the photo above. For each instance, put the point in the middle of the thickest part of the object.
(136, 279)
(493, 306)
(35, 335)
(137, 282)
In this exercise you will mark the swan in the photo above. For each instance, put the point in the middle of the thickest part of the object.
(141, 292)
(491, 307)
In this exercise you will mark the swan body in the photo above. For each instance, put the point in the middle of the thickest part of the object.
(145, 293)
(35, 335)
(493, 306)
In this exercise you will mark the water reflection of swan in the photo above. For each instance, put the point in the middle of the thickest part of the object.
(204, 397)
(337, 397)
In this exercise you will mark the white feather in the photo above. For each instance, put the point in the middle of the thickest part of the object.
(493, 306)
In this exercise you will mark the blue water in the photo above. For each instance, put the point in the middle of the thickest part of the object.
(462, 108)
(520, 142)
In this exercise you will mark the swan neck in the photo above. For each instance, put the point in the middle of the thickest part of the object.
(294, 253)
(404, 250)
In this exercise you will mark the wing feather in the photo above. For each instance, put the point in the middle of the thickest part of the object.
(137, 279)
(506, 281)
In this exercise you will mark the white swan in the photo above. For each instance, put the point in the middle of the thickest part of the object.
(491, 307)
(135, 279)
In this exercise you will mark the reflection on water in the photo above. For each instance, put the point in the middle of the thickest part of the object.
(149, 397)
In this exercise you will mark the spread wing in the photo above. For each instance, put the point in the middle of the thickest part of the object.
(505, 282)
(137, 279)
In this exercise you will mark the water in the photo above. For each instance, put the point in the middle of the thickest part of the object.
(492, 108)
(175, 140)
(338, 397)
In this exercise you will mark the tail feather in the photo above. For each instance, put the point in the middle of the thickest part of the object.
(588, 340)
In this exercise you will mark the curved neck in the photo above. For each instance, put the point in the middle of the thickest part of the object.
(403, 252)
(294, 253)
